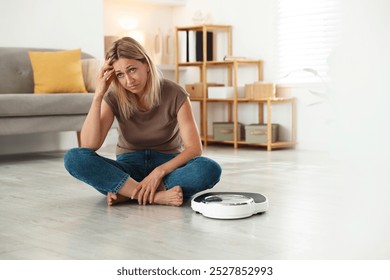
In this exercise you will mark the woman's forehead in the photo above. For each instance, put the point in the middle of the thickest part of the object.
(124, 63)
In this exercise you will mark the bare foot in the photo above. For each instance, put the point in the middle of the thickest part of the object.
(113, 198)
(171, 197)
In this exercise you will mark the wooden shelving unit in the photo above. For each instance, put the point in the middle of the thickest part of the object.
(232, 67)
(262, 104)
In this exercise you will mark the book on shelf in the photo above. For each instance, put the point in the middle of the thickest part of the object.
(199, 46)
(190, 46)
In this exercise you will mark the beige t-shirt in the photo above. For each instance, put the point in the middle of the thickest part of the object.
(156, 129)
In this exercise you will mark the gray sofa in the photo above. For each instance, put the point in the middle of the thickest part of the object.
(22, 111)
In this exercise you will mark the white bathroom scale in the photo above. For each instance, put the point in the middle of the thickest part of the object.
(229, 205)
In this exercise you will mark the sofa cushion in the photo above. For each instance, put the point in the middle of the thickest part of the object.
(16, 71)
(57, 72)
(19, 105)
(91, 67)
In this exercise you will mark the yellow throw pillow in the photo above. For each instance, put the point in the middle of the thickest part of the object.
(57, 71)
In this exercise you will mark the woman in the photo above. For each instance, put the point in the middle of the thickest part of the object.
(159, 149)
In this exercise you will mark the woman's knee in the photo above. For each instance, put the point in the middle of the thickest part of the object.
(77, 158)
(208, 174)
(212, 170)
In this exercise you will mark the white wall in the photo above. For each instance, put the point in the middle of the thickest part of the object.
(53, 24)
(152, 20)
(50, 24)
(361, 96)
(360, 67)
(154, 29)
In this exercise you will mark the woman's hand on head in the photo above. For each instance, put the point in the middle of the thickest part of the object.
(105, 77)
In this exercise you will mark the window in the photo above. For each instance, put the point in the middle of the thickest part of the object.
(306, 34)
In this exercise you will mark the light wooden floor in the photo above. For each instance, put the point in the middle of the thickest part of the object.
(47, 214)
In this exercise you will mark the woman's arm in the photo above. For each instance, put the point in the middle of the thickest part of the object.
(100, 116)
(191, 139)
(192, 148)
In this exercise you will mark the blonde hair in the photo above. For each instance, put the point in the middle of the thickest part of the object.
(129, 48)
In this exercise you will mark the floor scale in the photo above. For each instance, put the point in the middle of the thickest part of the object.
(229, 205)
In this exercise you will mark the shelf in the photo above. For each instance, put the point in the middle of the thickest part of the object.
(209, 27)
(219, 63)
(278, 144)
(197, 64)
(232, 66)
(231, 62)
(245, 100)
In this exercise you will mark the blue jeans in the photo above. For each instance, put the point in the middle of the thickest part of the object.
(107, 175)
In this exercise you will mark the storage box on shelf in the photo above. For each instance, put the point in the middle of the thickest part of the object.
(258, 133)
(260, 90)
(196, 90)
(232, 94)
(224, 131)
